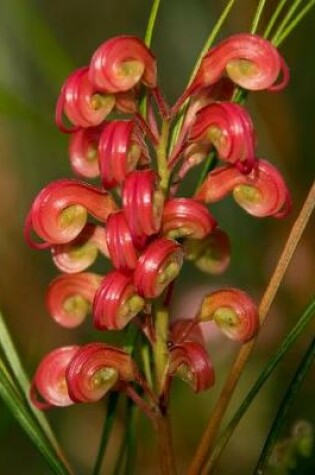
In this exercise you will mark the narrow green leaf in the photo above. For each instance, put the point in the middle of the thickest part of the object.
(285, 346)
(278, 39)
(112, 404)
(257, 16)
(274, 18)
(151, 22)
(131, 415)
(285, 405)
(286, 19)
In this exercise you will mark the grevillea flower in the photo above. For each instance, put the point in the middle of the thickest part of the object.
(159, 265)
(190, 361)
(50, 382)
(69, 297)
(81, 103)
(121, 63)
(143, 204)
(261, 193)
(233, 311)
(95, 369)
(60, 210)
(229, 128)
(119, 241)
(211, 254)
(185, 217)
(79, 254)
(116, 302)
(186, 329)
(121, 147)
(83, 151)
(127, 101)
(249, 61)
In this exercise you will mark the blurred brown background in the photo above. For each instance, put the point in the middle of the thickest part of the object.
(40, 43)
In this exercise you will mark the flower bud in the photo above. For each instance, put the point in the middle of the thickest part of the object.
(96, 369)
(159, 265)
(83, 151)
(185, 217)
(119, 241)
(79, 254)
(69, 297)
(249, 61)
(60, 210)
(81, 103)
(211, 254)
(121, 148)
(229, 128)
(233, 311)
(190, 361)
(50, 381)
(121, 63)
(143, 205)
(261, 193)
(116, 302)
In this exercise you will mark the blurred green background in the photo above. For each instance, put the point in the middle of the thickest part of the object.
(40, 43)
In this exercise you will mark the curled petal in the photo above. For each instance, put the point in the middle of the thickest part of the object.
(97, 368)
(50, 382)
(143, 204)
(121, 148)
(159, 265)
(121, 63)
(229, 128)
(119, 241)
(79, 254)
(116, 302)
(60, 210)
(185, 217)
(186, 329)
(81, 103)
(249, 61)
(83, 151)
(69, 297)
(190, 361)
(127, 101)
(212, 254)
(234, 311)
(261, 193)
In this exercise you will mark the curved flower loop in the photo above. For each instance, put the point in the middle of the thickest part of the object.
(233, 311)
(261, 193)
(120, 244)
(69, 297)
(83, 151)
(60, 210)
(121, 63)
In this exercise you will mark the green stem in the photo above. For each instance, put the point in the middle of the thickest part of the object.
(151, 22)
(161, 353)
(286, 20)
(257, 16)
(285, 405)
(131, 421)
(284, 34)
(274, 18)
(285, 346)
(112, 404)
(162, 158)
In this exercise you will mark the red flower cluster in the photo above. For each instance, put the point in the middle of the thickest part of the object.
(144, 229)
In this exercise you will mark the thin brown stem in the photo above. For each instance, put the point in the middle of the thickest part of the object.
(216, 418)
(165, 446)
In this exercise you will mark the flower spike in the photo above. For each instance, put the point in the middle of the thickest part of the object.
(261, 193)
(50, 382)
(79, 254)
(59, 212)
(159, 265)
(229, 128)
(119, 241)
(96, 369)
(212, 254)
(121, 63)
(81, 103)
(116, 302)
(83, 151)
(143, 204)
(249, 61)
(190, 361)
(69, 297)
(233, 311)
(185, 217)
(121, 148)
